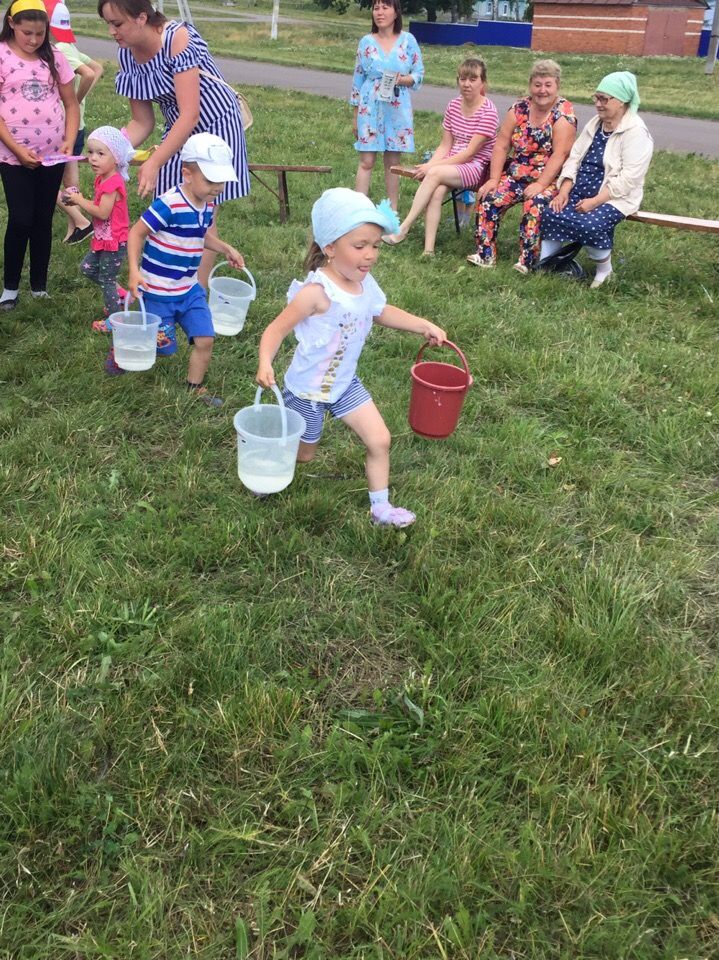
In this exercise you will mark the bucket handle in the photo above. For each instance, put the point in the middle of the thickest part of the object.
(223, 263)
(448, 343)
(281, 402)
(142, 307)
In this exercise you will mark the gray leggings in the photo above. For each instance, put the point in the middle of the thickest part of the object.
(102, 267)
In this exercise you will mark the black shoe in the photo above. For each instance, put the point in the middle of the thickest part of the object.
(7, 305)
(79, 234)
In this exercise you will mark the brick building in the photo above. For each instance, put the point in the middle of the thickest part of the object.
(634, 27)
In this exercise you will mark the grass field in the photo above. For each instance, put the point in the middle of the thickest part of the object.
(674, 85)
(236, 728)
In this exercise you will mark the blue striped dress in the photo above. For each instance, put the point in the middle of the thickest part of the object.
(219, 112)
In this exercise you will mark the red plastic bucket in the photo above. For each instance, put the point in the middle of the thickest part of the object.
(438, 392)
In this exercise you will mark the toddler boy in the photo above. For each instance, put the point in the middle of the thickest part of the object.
(164, 250)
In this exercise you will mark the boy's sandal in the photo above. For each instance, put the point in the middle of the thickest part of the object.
(475, 259)
(385, 515)
(203, 396)
(101, 326)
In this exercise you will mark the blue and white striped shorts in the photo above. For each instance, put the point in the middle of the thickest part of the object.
(355, 396)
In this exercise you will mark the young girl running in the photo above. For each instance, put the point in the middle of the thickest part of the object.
(36, 83)
(109, 153)
(331, 312)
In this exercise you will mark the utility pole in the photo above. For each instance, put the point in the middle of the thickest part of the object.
(713, 42)
(275, 18)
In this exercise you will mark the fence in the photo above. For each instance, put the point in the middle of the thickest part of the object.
(487, 33)
(494, 33)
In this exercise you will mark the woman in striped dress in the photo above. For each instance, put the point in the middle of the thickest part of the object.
(462, 157)
(168, 63)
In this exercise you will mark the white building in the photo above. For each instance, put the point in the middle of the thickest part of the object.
(499, 9)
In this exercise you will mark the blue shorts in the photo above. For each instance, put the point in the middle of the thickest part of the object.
(190, 311)
(355, 396)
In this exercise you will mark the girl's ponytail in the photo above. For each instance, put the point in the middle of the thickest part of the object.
(44, 51)
(315, 257)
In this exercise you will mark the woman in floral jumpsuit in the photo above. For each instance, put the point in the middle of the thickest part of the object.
(539, 130)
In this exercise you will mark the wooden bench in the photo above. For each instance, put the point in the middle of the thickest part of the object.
(282, 169)
(676, 223)
(642, 216)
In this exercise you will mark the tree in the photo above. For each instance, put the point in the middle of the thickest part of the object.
(456, 8)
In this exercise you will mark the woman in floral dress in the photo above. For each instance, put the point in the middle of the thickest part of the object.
(538, 131)
(382, 110)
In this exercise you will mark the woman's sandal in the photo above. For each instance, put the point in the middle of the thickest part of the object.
(385, 515)
(392, 239)
(475, 259)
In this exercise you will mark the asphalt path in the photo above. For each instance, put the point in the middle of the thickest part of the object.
(677, 134)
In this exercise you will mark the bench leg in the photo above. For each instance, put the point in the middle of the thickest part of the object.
(455, 211)
(283, 196)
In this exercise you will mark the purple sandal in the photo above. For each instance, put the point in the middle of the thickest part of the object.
(385, 515)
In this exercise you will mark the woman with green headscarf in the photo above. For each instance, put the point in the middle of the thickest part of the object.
(602, 181)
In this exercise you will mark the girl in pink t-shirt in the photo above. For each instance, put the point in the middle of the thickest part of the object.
(39, 117)
(109, 153)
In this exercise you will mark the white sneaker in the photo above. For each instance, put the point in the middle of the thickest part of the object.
(598, 281)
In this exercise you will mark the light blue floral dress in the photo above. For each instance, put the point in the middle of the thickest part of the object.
(385, 126)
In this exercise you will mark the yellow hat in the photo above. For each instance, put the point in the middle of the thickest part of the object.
(20, 6)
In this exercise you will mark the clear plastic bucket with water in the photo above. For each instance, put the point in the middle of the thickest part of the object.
(268, 436)
(229, 301)
(134, 336)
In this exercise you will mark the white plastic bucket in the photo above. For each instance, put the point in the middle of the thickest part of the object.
(230, 300)
(268, 436)
(134, 336)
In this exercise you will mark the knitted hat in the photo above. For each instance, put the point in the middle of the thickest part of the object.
(118, 145)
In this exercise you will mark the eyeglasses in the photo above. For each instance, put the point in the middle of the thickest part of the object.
(600, 100)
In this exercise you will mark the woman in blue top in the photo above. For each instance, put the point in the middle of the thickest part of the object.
(382, 110)
(168, 63)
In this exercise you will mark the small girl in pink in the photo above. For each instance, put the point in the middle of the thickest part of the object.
(39, 116)
(109, 153)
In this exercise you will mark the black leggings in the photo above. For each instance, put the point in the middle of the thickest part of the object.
(30, 197)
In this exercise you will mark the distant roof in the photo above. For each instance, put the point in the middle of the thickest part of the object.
(628, 3)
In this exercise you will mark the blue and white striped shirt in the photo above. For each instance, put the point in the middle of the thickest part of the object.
(173, 251)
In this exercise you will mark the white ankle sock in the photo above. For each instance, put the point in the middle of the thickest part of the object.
(604, 268)
(8, 295)
(376, 497)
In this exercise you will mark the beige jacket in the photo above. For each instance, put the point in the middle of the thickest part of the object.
(626, 160)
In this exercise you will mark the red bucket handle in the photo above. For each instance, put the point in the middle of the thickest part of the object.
(448, 343)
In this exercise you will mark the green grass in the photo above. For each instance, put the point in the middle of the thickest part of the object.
(237, 728)
(673, 85)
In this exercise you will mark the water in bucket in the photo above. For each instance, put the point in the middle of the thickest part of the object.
(268, 436)
(134, 337)
(229, 301)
